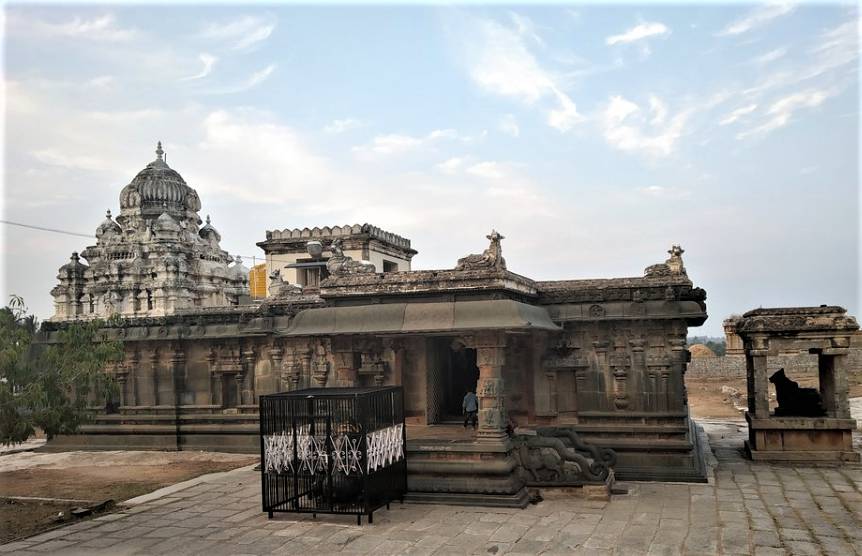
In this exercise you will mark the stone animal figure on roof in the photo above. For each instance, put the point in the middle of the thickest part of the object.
(671, 266)
(279, 287)
(794, 401)
(490, 259)
(339, 263)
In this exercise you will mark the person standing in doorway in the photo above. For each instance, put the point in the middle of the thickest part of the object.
(470, 405)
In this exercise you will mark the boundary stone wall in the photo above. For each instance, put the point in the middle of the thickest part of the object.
(733, 366)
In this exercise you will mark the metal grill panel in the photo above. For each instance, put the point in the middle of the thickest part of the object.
(333, 450)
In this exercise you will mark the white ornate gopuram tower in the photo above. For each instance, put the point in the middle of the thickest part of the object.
(153, 259)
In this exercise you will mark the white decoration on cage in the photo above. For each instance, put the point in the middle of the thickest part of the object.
(278, 453)
(346, 454)
(311, 453)
(385, 446)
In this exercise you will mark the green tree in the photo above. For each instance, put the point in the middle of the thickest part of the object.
(49, 386)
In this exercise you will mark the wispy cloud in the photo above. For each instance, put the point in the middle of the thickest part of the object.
(208, 61)
(629, 128)
(509, 125)
(768, 57)
(243, 33)
(638, 32)
(735, 115)
(661, 192)
(340, 126)
(396, 143)
(487, 170)
(781, 112)
(756, 18)
(100, 28)
(253, 81)
(451, 165)
(500, 62)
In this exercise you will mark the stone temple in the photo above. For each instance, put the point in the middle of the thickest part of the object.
(153, 259)
(600, 361)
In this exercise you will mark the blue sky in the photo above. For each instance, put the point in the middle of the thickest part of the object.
(592, 137)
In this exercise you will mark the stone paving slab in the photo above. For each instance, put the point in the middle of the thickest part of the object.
(747, 508)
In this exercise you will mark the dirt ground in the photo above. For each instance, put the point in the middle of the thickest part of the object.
(707, 401)
(92, 476)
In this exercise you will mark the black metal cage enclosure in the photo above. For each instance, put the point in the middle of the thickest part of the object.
(333, 450)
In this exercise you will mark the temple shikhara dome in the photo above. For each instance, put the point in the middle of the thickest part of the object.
(153, 258)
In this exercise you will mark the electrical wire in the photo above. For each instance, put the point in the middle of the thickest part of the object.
(91, 236)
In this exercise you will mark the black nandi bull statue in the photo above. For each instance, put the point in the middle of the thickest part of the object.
(794, 401)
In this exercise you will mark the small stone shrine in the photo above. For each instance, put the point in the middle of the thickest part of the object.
(807, 424)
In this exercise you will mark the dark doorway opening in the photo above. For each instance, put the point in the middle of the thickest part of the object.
(452, 371)
(463, 374)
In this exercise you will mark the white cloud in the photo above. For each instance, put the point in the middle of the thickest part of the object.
(770, 56)
(208, 61)
(341, 126)
(628, 128)
(661, 192)
(451, 166)
(566, 116)
(243, 33)
(509, 125)
(501, 63)
(100, 28)
(102, 82)
(488, 170)
(253, 81)
(735, 115)
(781, 111)
(396, 143)
(756, 18)
(56, 157)
(638, 32)
(392, 143)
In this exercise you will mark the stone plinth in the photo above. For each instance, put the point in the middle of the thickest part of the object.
(801, 439)
(464, 473)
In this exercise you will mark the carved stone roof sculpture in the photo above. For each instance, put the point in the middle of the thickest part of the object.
(152, 259)
(490, 259)
(671, 267)
(339, 263)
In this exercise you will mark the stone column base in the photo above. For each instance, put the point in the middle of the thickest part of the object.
(464, 473)
(801, 439)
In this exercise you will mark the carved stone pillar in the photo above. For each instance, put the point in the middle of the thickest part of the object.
(490, 358)
(639, 364)
(834, 388)
(276, 355)
(620, 363)
(396, 358)
(320, 372)
(247, 386)
(679, 360)
(134, 361)
(600, 401)
(346, 373)
(306, 354)
(215, 380)
(178, 371)
(154, 365)
(756, 352)
(122, 373)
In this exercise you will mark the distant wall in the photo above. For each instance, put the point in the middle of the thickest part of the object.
(733, 366)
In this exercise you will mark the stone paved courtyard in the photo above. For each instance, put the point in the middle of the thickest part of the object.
(746, 509)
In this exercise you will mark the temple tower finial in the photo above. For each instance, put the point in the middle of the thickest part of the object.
(159, 151)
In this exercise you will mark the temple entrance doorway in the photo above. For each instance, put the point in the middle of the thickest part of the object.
(453, 371)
